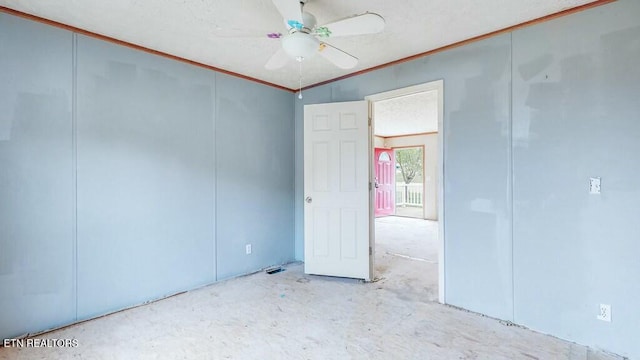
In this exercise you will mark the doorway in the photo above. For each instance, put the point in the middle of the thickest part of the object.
(406, 125)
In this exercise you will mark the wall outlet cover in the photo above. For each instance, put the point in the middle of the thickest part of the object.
(605, 312)
(594, 185)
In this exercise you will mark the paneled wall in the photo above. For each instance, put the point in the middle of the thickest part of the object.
(529, 117)
(255, 176)
(37, 178)
(126, 177)
(145, 176)
(576, 115)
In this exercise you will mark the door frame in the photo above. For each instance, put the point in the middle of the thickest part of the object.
(437, 85)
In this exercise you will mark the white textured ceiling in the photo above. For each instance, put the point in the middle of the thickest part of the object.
(409, 114)
(230, 34)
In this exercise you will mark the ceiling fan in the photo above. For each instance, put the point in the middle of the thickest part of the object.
(304, 39)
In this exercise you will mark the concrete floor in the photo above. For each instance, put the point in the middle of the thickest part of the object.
(290, 315)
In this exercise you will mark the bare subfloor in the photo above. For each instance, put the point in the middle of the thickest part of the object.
(290, 315)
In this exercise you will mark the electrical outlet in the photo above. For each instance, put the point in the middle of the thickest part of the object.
(248, 249)
(605, 312)
(594, 185)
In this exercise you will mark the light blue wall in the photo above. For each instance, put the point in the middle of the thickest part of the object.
(255, 176)
(37, 243)
(126, 177)
(576, 115)
(146, 176)
(528, 118)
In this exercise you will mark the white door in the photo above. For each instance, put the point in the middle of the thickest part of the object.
(336, 189)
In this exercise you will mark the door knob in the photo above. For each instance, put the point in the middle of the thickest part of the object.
(308, 199)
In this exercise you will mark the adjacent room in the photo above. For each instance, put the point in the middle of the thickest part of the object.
(320, 179)
(405, 171)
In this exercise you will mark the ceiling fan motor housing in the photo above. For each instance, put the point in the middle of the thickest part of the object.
(309, 21)
(300, 43)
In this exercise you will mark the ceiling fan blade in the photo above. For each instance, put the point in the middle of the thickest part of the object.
(277, 60)
(338, 57)
(246, 34)
(368, 23)
(291, 11)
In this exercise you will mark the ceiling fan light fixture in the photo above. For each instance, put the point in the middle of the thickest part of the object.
(300, 45)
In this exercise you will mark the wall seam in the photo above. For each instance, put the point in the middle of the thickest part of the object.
(296, 145)
(294, 185)
(512, 178)
(441, 186)
(215, 176)
(74, 152)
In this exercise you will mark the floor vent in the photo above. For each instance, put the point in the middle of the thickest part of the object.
(274, 270)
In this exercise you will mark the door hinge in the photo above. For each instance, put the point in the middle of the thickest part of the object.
(370, 186)
(369, 120)
(370, 250)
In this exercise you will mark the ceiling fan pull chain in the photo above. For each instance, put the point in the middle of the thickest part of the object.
(300, 79)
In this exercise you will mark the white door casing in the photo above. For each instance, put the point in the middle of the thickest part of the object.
(336, 189)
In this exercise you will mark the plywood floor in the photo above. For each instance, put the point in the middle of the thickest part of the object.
(291, 315)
